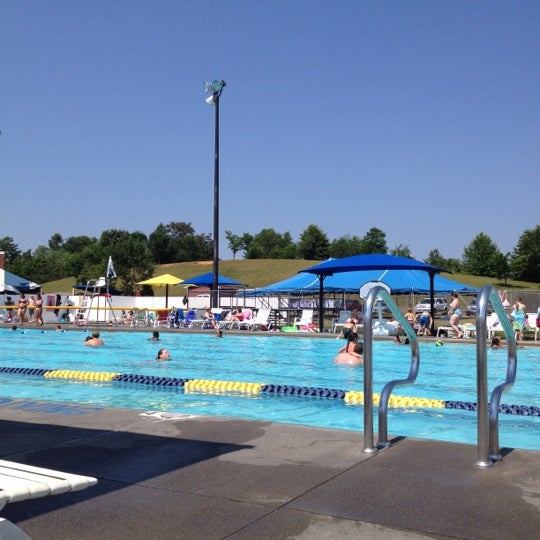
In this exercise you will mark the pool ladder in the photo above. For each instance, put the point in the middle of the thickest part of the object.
(375, 293)
(488, 449)
(487, 411)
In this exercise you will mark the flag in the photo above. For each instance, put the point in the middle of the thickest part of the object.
(111, 274)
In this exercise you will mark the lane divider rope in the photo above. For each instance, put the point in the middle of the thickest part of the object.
(191, 386)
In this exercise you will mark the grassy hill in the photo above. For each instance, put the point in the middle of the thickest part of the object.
(262, 272)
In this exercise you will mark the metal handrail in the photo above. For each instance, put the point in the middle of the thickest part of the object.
(369, 303)
(411, 377)
(488, 413)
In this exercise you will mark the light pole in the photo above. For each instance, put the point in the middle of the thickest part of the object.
(214, 89)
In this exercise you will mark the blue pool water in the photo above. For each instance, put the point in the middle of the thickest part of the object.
(446, 373)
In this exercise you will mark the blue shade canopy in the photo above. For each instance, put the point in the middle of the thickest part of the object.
(399, 282)
(375, 261)
(207, 280)
(23, 285)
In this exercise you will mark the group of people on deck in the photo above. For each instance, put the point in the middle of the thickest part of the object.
(32, 306)
(424, 322)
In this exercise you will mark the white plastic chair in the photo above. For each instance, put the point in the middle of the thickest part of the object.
(305, 319)
(261, 319)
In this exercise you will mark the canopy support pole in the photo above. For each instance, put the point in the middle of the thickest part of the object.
(432, 300)
(321, 303)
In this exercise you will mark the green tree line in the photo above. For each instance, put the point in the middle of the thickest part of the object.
(135, 254)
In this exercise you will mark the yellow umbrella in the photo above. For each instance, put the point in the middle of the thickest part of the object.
(163, 280)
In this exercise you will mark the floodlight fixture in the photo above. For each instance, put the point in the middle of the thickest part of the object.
(214, 88)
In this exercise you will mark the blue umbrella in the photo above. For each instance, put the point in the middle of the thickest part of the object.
(207, 280)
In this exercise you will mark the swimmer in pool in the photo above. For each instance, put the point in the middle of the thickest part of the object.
(163, 355)
(155, 336)
(351, 342)
(496, 343)
(94, 340)
(353, 358)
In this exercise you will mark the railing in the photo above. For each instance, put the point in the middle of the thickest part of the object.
(488, 413)
(374, 293)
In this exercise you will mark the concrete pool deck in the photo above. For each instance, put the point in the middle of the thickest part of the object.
(167, 476)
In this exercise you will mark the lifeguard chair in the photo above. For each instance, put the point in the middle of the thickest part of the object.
(91, 301)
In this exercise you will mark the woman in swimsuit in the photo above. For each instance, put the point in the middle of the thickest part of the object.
(38, 314)
(455, 315)
(21, 311)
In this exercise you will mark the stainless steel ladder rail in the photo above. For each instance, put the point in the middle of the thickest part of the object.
(369, 303)
(488, 412)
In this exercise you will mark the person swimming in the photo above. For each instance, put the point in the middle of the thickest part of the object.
(163, 355)
(94, 340)
(351, 358)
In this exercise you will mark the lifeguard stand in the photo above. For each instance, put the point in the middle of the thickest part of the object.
(91, 300)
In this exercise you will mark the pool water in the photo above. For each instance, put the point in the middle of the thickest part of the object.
(446, 373)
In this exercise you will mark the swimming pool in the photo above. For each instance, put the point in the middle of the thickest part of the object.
(446, 373)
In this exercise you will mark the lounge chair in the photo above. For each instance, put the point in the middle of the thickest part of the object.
(161, 317)
(140, 318)
(244, 324)
(493, 324)
(199, 320)
(260, 320)
(191, 315)
(468, 330)
(19, 482)
(531, 325)
(305, 321)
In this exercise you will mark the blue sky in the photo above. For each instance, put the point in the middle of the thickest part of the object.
(421, 118)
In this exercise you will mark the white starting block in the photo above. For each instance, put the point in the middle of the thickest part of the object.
(19, 482)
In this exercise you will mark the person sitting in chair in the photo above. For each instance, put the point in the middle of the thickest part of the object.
(209, 316)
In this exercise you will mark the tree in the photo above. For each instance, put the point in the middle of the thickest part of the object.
(55, 241)
(501, 266)
(401, 251)
(345, 246)
(177, 242)
(75, 244)
(133, 262)
(159, 243)
(269, 244)
(314, 244)
(45, 265)
(236, 242)
(435, 258)
(10, 249)
(525, 262)
(453, 265)
(481, 256)
(374, 241)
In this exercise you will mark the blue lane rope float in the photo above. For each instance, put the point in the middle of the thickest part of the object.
(191, 386)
